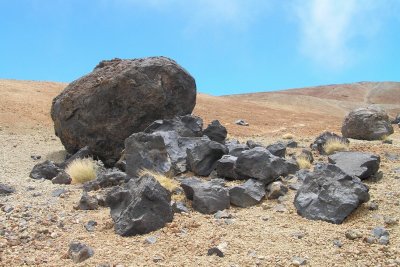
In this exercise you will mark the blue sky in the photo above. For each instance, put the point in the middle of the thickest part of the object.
(229, 46)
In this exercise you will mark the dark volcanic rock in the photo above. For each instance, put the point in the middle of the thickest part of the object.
(321, 140)
(87, 202)
(46, 170)
(118, 98)
(6, 190)
(259, 163)
(226, 167)
(185, 126)
(140, 206)
(208, 197)
(277, 149)
(202, 158)
(105, 180)
(216, 132)
(62, 178)
(146, 151)
(236, 150)
(362, 165)
(248, 194)
(371, 123)
(251, 144)
(163, 152)
(329, 194)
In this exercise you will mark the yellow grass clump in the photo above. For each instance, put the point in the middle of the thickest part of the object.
(333, 145)
(166, 182)
(81, 170)
(288, 136)
(303, 162)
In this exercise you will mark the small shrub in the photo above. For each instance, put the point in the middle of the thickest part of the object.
(166, 182)
(288, 136)
(303, 162)
(81, 170)
(333, 145)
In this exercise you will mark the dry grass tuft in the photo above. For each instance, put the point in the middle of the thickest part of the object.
(288, 136)
(81, 170)
(333, 145)
(166, 182)
(303, 162)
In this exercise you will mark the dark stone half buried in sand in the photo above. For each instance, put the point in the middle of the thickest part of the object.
(329, 194)
(118, 98)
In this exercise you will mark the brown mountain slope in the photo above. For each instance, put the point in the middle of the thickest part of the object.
(25, 105)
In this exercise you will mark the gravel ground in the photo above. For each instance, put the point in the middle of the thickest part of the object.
(40, 226)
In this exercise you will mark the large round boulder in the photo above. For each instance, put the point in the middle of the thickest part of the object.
(371, 123)
(118, 98)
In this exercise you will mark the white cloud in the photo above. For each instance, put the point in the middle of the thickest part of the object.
(330, 28)
(238, 14)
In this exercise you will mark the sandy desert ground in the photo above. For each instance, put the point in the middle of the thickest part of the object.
(39, 228)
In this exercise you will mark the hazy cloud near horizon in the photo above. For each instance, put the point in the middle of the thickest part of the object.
(329, 28)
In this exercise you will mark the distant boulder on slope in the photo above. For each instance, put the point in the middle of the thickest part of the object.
(371, 123)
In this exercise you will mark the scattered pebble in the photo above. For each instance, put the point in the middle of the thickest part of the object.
(372, 205)
(338, 243)
(298, 261)
(150, 240)
(391, 220)
(90, 226)
(222, 214)
(353, 234)
(79, 252)
(59, 192)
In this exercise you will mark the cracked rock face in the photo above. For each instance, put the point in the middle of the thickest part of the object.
(362, 165)
(329, 194)
(140, 206)
(118, 98)
(371, 123)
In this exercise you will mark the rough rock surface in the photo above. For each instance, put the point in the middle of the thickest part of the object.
(277, 149)
(208, 197)
(45, 170)
(329, 194)
(320, 141)
(396, 120)
(140, 206)
(226, 167)
(259, 163)
(203, 158)
(248, 194)
(185, 126)
(146, 151)
(216, 132)
(87, 202)
(371, 123)
(118, 98)
(362, 165)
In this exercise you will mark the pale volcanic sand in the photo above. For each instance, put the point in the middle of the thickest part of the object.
(258, 236)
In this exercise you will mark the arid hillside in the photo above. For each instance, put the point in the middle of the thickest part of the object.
(25, 105)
